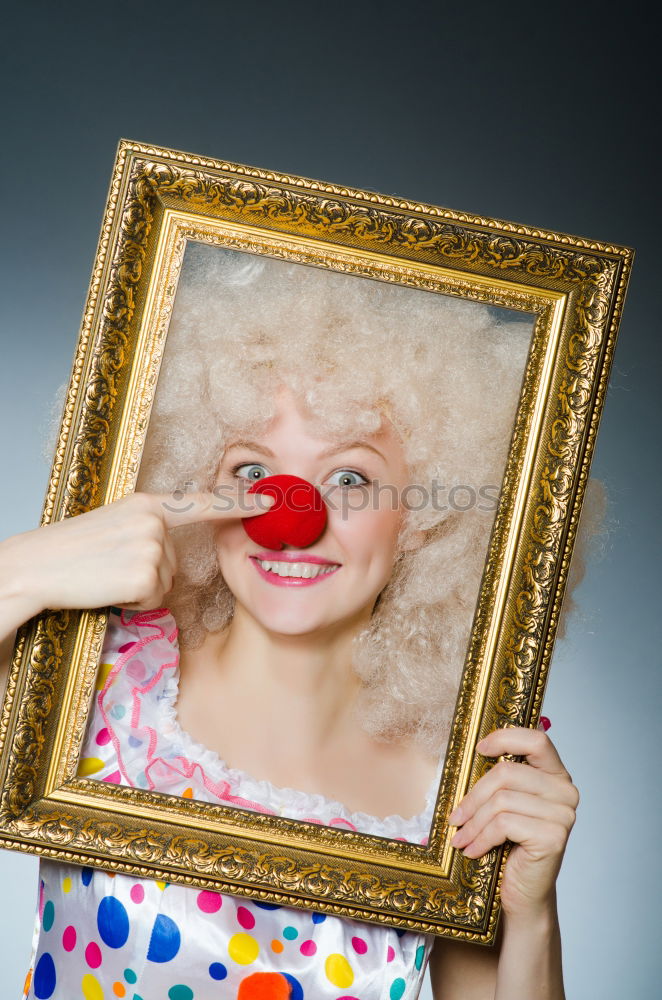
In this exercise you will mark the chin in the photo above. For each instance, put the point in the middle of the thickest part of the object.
(292, 626)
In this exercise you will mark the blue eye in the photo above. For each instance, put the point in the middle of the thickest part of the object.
(250, 475)
(346, 474)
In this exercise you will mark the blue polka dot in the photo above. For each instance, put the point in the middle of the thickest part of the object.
(398, 987)
(118, 711)
(49, 916)
(400, 931)
(420, 954)
(180, 992)
(217, 971)
(265, 906)
(290, 933)
(165, 940)
(141, 780)
(130, 976)
(44, 977)
(319, 918)
(296, 993)
(135, 742)
(86, 875)
(113, 922)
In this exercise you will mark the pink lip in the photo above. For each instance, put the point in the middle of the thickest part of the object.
(291, 557)
(292, 581)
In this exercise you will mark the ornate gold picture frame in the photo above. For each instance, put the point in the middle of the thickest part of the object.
(571, 290)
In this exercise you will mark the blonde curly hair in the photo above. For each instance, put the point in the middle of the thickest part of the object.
(446, 372)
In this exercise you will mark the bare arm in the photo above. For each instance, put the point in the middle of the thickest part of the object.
(533, 805)
(57, 565)
(18, 601)
(525, 962)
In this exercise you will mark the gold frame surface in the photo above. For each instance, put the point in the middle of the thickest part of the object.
(159, 199)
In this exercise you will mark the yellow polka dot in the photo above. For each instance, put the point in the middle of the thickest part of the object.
(243, 949)
(102, 674)
(339, 971)
(91, 987)
(162, 885)
(89, 765)
(66, 884)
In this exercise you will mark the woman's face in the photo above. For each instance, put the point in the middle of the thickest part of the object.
(362, 487)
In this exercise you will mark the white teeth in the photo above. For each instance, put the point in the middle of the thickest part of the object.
(301, 569)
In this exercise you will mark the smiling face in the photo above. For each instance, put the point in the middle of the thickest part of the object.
(360, 537)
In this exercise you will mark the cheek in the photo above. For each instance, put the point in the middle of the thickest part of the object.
(369, 534)
(230, 538)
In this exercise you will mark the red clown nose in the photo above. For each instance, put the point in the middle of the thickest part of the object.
(298, 517)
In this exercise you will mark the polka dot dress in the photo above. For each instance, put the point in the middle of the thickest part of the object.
(99, 936)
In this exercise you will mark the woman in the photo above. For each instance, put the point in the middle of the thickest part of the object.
(342, 656)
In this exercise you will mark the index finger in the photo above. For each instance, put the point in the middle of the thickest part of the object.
(189, 508)
(533, 744)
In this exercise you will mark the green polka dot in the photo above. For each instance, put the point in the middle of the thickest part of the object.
(180, 992)
(130, 976)
(49, 916)
(420, 954)
(397, 989)
(290, 933)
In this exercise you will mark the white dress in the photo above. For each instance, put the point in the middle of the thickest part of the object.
(99, 936)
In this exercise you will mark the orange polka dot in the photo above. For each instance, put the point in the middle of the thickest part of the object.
(28, 980)
(119, 990)
(277, 946)
(264, 986)
(187, 793)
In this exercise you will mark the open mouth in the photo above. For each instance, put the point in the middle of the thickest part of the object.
(293, 573)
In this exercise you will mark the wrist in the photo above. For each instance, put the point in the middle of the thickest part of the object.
(537, 919)
(20, 597)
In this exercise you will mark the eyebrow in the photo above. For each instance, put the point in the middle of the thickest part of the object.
(345, 446)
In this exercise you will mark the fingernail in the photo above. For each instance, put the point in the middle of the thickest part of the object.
(455, 816)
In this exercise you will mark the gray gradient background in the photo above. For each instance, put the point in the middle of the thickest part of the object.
(540, 117)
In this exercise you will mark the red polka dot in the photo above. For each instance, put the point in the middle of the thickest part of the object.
(103, 737)
(137, 893)
(264, 986)
(245, 918)
(126, 647)
(390, 954)
(359, 945)
(308, 948)
(69, 938)
(209, 902)
(93, 955)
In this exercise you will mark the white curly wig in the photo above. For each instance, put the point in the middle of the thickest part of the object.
(447, 373)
